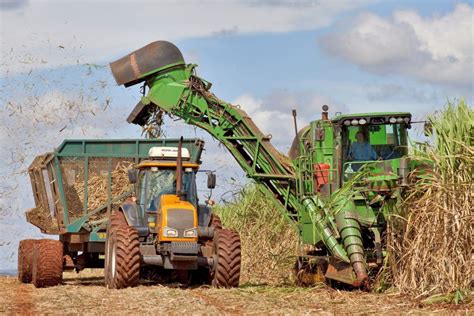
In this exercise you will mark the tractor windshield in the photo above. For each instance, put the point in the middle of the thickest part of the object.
(154, 184)
(374, 142)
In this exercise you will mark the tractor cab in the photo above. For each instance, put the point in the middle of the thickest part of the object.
(372, 142)
(165, 189)
(330, 152)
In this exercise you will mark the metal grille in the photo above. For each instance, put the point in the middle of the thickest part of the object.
(91, 188)
(72, 171)
(188, 248)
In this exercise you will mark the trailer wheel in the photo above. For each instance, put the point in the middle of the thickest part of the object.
(122, 255)
(47, 263)
(226, 270)
(25, 260)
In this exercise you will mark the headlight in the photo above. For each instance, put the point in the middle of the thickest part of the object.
(192, 232)
(170, 232)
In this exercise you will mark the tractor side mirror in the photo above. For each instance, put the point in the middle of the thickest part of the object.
(428, 129)
(211, 180)
(132, 176)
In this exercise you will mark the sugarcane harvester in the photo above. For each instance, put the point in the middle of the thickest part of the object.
(338, 203)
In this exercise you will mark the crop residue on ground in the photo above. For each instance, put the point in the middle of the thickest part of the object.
(85, 293)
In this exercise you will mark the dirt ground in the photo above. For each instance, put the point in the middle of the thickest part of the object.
(85, 293)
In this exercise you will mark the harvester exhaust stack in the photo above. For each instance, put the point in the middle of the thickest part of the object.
(324, 114)
(293, 112)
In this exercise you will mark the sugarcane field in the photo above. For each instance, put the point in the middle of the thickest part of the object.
(239, 157)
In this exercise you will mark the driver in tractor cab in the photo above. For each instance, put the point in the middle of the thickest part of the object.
(162, 183)
(361, 150)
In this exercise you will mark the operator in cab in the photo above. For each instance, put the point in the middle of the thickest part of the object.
(361, 150)
(163, 182)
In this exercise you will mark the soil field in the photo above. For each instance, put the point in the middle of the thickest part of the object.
(85, 293)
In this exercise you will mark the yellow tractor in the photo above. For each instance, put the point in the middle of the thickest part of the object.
(163, 231)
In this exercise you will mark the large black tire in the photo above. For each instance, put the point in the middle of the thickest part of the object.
(47, 263)
(226, 270)
(204, 275)
(117, 219)
(122, 254)
(25, 260)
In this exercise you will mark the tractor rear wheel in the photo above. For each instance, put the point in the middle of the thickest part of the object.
(25, 260)
(122, 254)
(226, 270)
(117, 218)
(47, 263)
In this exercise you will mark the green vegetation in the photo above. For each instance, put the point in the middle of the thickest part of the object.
(431, 241)
(269, 241)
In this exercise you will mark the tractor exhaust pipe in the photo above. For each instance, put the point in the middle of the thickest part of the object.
(179, 170)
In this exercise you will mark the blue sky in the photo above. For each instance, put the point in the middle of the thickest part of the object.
(268, 56)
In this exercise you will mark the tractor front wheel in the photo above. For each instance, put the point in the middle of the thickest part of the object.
(215, 222)
(25, 260)
(122, 254)
(226, 270)
(47, 263)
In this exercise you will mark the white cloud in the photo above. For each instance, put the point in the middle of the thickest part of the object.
(439, 49)
(104, 30)
(272, 114)
(275, 122)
